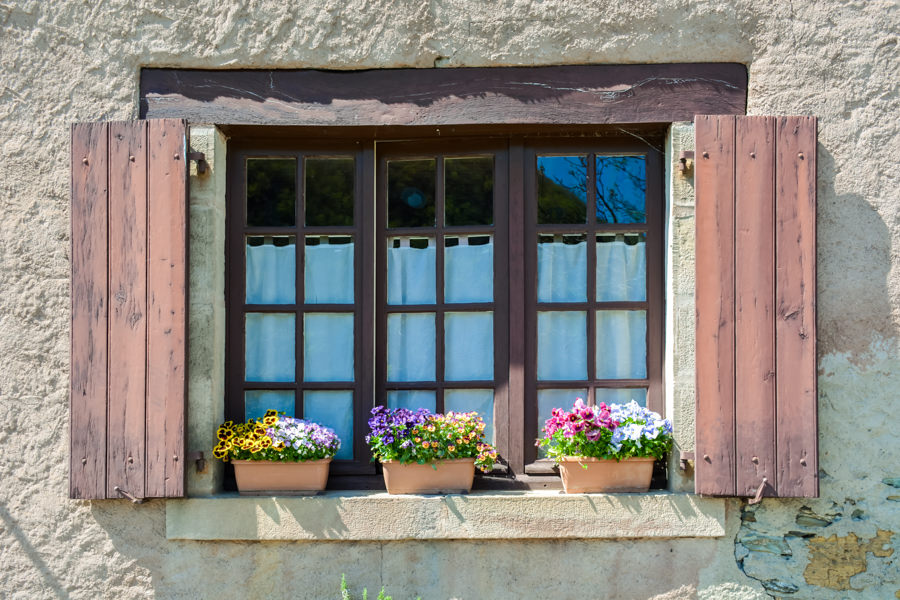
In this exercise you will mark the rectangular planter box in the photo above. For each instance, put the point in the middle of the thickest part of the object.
(453, 476)
(586, 475)
(266, 478)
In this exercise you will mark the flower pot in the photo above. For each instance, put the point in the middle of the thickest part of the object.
(584, 475)
(440, 477)
(265, 478)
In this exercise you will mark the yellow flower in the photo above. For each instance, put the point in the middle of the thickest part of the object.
(219, 452)
(266, 442)
(451, 448)
(425, 444)
(271, 413)
(418, 440)
(228, 424)
(221, 433)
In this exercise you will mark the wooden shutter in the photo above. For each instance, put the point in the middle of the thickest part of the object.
(755, 295)
(129, 309)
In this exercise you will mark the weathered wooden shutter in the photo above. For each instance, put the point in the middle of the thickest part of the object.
(129, 309)
(756, 306)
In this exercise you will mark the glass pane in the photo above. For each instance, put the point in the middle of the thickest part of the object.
(329, 191)
(411, 399)
(271, 269)
(620, 395)
(469, 190)
(328, 270)
(562, 189)
(271, 191)
(327, 347)
(411, 267)
(257, 402)
(621, 189)
(562, 268)
(411, 192)
(332, 409)
(468, 346)
(562, 345)
(410, 345)
(468, 268)
(621, 344)
(269, 351)
(550, 399)
(480, 401)
(621, 267)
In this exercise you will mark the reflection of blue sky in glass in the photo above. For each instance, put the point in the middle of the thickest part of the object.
(568, 171)
(562, 189)
(621, 189)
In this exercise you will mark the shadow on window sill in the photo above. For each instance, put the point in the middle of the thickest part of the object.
(481, 515)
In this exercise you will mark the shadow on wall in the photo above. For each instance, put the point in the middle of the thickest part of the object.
(853, 265)
(12, 528)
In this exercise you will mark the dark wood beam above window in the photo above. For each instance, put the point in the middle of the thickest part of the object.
(586, 95)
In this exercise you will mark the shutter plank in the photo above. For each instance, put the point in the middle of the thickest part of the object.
(715, 442)
(167, 323)
(87, 420)
(795, 289)
(754, 304)
(128, 306)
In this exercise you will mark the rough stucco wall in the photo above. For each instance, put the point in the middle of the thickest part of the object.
(67, 60)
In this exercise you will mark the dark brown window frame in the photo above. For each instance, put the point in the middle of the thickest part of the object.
(654, 305)
(499, 306)
(235, 281)
(515, 354)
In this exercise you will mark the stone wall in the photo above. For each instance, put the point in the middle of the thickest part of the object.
(65, 61)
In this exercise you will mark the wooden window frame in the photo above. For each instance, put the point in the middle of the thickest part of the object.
(654, 305)
(235, 281)
(500, 304)
(514, 348)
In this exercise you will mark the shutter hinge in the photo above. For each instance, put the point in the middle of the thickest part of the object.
(125, 494)
(684, 457)
(199, 460)
(202, 165)
(686, 161)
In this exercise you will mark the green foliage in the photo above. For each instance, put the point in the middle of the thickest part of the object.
(271, 191)
(329, 191)
(469, 191)
(345, 592)
(557, 203)
(411, 192)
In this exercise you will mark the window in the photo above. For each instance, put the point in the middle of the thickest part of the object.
(443, 274)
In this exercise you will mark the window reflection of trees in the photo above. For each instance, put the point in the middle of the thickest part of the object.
(619, 193)
(271, 191)
(621, 189)
(329, 191)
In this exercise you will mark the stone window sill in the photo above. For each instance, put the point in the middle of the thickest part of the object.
(483, 515)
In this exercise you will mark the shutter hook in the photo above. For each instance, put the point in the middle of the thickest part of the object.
(125, 494)
(759, 492)
(202, 165)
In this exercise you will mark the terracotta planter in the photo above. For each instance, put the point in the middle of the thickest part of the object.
(629, 475)
(442, 477)
(264, 478)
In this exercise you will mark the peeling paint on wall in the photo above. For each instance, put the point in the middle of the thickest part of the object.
(834, 560)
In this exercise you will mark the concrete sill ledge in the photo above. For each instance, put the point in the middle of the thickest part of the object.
(478, 516)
